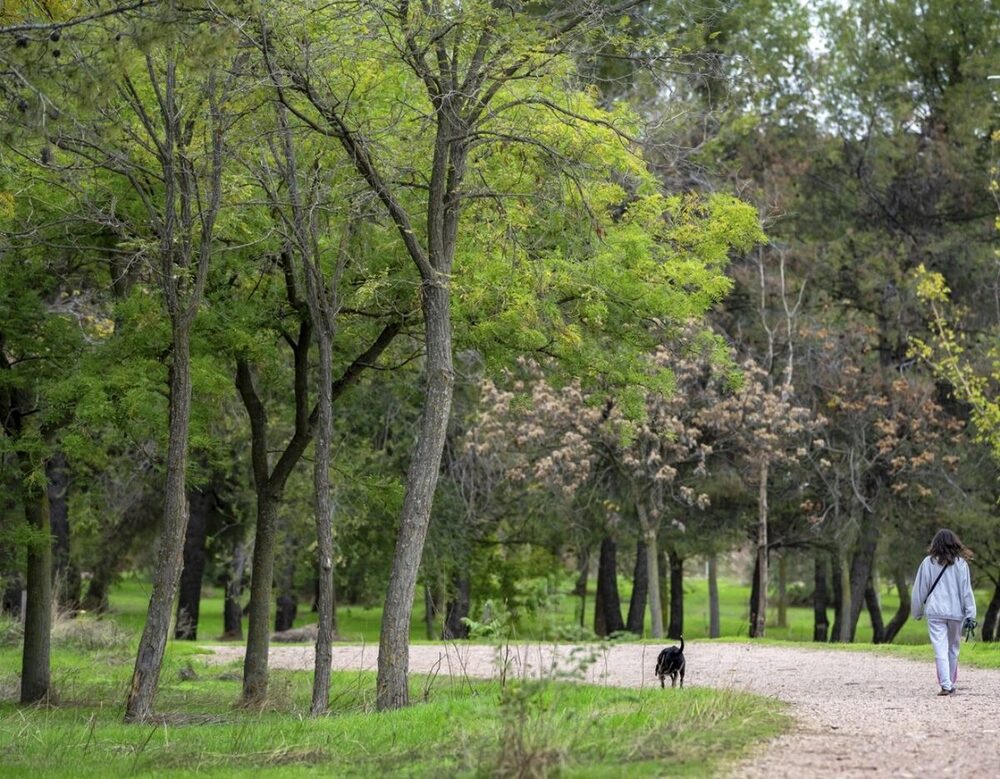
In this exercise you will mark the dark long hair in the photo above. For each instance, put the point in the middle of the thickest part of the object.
(947, 547)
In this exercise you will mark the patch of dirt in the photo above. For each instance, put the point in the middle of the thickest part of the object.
(857, 713)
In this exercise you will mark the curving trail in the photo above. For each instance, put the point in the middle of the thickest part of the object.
(857, 713)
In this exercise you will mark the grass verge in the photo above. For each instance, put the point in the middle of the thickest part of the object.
(457, 729)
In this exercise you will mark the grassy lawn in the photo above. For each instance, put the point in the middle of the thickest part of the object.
(457, 728)
(130, 598)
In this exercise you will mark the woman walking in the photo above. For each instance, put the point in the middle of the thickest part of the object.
(942, 592)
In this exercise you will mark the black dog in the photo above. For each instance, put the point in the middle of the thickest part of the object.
(671, 663)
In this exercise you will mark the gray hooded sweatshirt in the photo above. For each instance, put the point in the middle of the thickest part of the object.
(951, 599)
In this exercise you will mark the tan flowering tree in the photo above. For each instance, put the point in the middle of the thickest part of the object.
(890, 444)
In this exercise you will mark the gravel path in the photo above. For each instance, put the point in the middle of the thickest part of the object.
(857, 713)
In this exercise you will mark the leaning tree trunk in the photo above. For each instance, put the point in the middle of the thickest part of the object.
(607, 602)
(862, 565)
(903, 611)
(991, 619)
(714, 626)
(820, 624)
(875, 612)
(758, 621)
(640, 585)
(676, 629)
(149, 658)
(648, 531)
(421, 481)
(35, 668)
(201, 504)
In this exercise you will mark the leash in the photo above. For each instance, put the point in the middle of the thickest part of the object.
(969, 626)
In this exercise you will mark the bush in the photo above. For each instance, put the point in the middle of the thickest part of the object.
(89, 633)
(11, 630)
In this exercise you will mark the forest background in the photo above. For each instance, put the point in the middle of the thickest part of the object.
(489, 306)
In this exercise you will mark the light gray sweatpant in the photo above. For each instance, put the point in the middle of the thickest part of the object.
(946, 636)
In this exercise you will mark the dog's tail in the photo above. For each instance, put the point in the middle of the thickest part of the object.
(682, 642)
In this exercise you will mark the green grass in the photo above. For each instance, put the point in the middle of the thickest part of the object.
(130, 598)
(457, 729)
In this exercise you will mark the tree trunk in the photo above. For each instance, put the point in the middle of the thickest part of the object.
(664, 565)
(648, 531)
(714, 626)
(640, 585)
(782, 591)
(991, 619)
(324, 518)
(754, 597)
(259, 617)
(582, 580)
(844, 614)
(421, 481)
(66, 575)
(903, 612)
(758, 622)
(285, 613)
(114, 547)
(458, 608)
(607, 603)
(149, 658)
(35, 667)
(202, 503)
(821, 626)
(676, 629)
(430, 614)
(862, 564)
(875, 612)
(232, 611)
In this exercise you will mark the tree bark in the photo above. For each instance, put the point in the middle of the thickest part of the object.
(714, 626)
(430, 614)
(202, 504)
(324, 524)
(676, 629)
(648, 530)
(421, 481)
(285, 613)
(782, 591)
(903, 611)
(259, 613)
(607, 603)
(640, 585)
(582, 580)
(821, 626)
(862, 565)
(663, 561)
(991, 619)
(844, 618)
(458, 608)
(35, 666)
(149, 658)
(875, 612)
(758, 622)
(232, 611)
